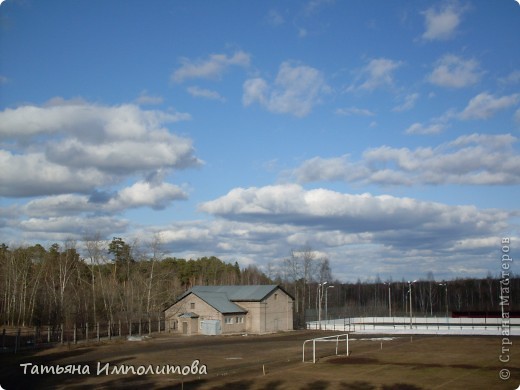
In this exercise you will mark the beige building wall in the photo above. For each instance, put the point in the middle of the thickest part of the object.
(275, 313)
(192, 304)
(271, 315)
(233, 323)
(254, 317)
(230, 323)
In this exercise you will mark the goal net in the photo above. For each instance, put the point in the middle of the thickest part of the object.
(326, 346)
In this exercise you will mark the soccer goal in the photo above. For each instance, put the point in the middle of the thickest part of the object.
(328, 339)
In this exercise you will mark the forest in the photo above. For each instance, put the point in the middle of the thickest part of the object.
(101, 281)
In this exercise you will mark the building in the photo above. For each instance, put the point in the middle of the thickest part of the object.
(231, 309)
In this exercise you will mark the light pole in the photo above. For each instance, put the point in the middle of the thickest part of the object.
(389, 300)
(410, 292)
(326, 303)
(445, 284)
(320, 299)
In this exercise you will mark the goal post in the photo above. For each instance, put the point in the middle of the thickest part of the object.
(336, 339)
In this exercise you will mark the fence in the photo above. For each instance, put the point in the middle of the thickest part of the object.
(17, 339)
(420, 325)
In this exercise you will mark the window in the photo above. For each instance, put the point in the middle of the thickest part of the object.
(192, 305)
(239, 320)
(275, 297)
(228, 320)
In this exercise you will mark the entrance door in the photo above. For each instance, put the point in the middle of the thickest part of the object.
(184, 328)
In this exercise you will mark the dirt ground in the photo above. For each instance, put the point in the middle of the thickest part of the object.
(274, 361)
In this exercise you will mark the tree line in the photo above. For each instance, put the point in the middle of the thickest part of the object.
(100, 281)
(110, 282)
(429, 298)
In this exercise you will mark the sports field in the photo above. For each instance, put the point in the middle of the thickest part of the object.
(271, 362)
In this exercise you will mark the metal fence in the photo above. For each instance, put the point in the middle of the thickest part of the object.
(420, 325)
(14, 339)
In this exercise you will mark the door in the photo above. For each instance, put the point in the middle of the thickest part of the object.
(184, 327)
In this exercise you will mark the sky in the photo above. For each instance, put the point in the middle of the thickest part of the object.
(383, 135)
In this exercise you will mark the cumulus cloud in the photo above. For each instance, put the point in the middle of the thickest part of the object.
(83, 119)
(455, 72)
(387, 219)
(296, 90)
(379, 72)
(419, 128)
(354, 111)
(442, 21)
(146, 99)
(408, 103)
(475, 159)
(484, 105)
(144, 193)
(205, 93)
(211, 68)
(33, 174)
(511, 78)
(75, 147)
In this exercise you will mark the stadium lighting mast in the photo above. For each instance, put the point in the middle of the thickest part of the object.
(410, 292)
(320, 299)
(445, 284)
(389, 299)
(326, 303)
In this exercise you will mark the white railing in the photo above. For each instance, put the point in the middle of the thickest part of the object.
(421, 325)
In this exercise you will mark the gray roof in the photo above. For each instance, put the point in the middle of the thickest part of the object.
(222, 297)
(219, 301)
(239, 293)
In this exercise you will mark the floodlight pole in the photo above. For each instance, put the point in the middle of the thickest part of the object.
(445, 284)
(320, 299)
(389, 300)
(326, 303)
(410, 292)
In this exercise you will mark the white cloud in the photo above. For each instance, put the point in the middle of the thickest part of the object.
(84, 120)
(419, 128)
(124, 157)
(255, 90)
(379, 72)
(140, 194)
(408, 104)
(81, 146)
(33, 174)
(454, 72)
(475, 159)
(59, 205)
(441, 22)
(484, 105)
(146, 99)
(205, 93)
(144, 193)
(62, 228)
(354, 111)
(511, 78)
(212, 68)
(275, 18)
(313, 5)
(329, 169)
(296, 90)
(388, 220)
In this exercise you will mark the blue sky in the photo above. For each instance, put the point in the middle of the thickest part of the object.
(383, 135)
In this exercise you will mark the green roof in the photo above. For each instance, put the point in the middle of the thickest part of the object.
(222, 297)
